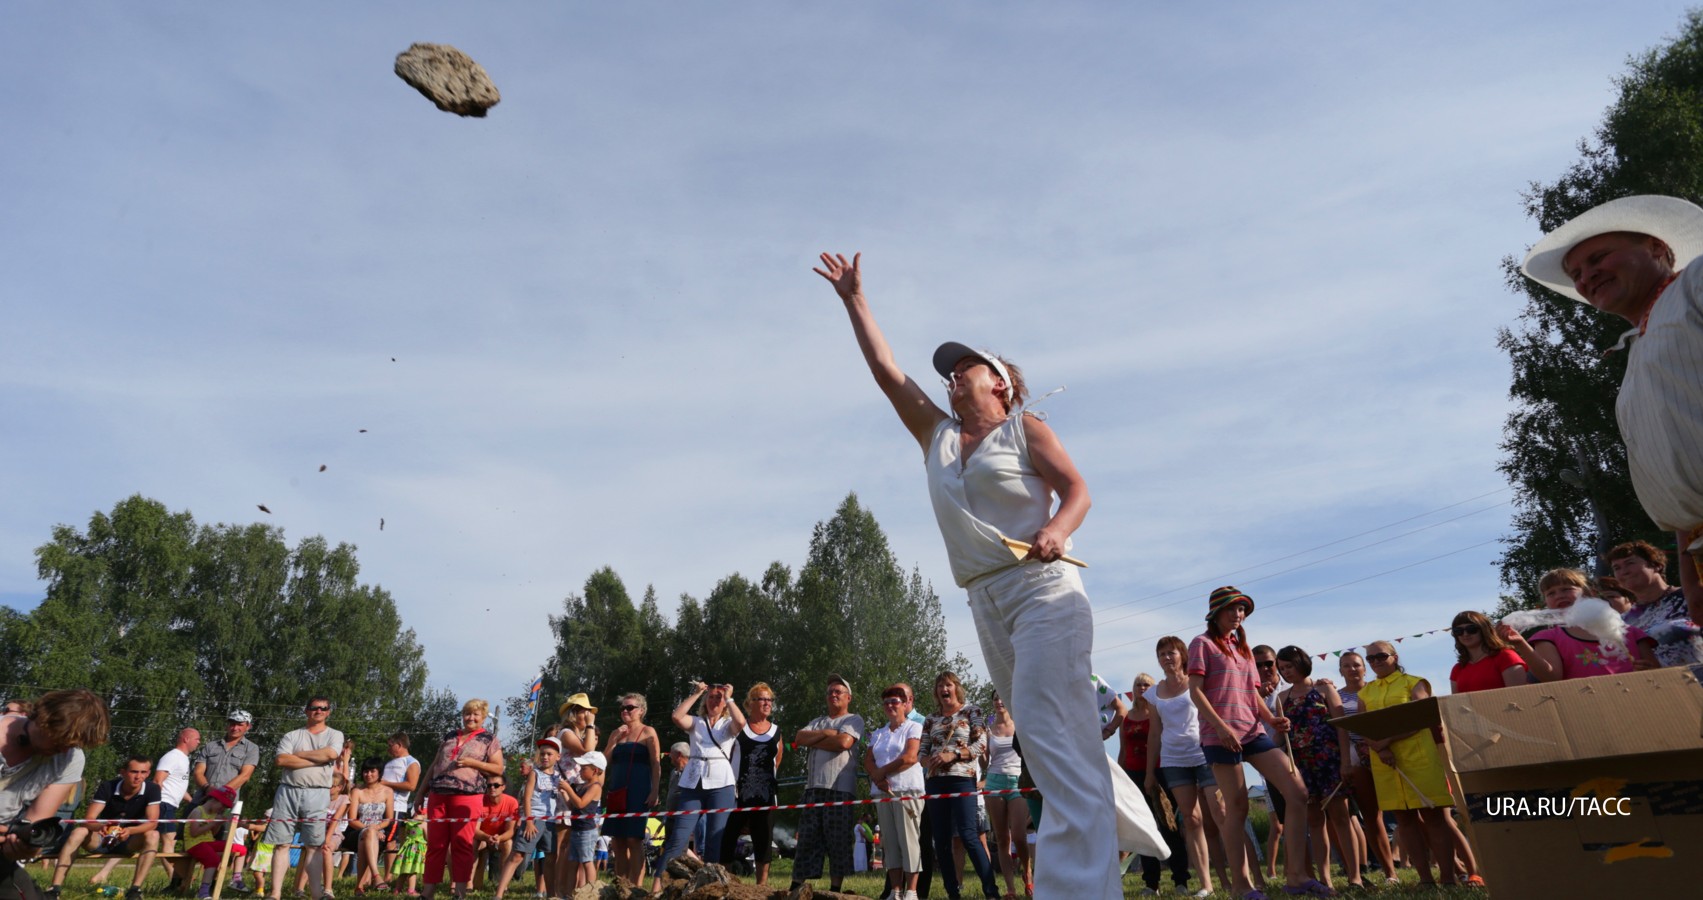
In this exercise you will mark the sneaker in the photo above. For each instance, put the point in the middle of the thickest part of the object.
(51, 893)
(204, 892)
(134, 893)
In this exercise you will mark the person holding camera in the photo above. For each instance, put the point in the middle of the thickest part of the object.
(43, 764)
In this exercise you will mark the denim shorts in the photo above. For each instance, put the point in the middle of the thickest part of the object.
(1175, 777)
(582, 846)
(1220, 756)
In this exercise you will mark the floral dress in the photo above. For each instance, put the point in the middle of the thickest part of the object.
(411, 856)
(1313, 742)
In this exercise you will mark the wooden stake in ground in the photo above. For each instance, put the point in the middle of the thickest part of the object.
(225, 857)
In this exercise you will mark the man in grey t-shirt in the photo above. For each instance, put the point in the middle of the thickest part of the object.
(310, 758)
(830, 777)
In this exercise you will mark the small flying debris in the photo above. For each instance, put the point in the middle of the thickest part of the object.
(262, 508)
(380, 524)
(322, 467)
(393, 359)
(363, 431)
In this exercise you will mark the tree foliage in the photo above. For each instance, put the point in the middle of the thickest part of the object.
(851, 610)
(177, 624)
(1564, 385)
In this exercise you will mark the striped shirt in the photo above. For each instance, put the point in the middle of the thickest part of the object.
(1661, 406)
(1232, 686)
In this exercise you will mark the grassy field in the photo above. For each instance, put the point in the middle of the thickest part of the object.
(869, 885)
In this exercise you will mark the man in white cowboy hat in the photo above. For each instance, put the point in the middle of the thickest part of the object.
(1633, 257)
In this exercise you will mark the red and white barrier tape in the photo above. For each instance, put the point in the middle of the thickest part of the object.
(563, 817)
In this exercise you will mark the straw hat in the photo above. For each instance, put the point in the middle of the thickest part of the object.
(579, 699)
(1675, 222)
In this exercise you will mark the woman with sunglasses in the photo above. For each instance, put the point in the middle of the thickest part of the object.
(1357, 764)
(993, 471)
(756, 760)
(1484, 660)
(1407, 771)
(1225, 688)
(635, 770)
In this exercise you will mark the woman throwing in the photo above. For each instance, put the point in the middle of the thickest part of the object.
(992, 474)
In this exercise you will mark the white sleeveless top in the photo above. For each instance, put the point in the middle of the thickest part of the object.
(1179, 743)
(995, 493)
(1002, 759)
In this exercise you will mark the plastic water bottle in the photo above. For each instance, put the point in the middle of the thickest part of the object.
(108, 890)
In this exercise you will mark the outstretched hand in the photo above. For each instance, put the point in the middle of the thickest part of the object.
(847, 278)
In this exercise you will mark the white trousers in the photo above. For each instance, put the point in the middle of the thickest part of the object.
(1037, 633)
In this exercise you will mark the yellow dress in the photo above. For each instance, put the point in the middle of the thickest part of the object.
(1416, 755)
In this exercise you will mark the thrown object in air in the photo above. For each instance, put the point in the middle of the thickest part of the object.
(449, 78)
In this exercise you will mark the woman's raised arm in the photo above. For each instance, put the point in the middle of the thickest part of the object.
(919, 413)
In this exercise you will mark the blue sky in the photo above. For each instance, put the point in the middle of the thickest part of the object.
(1261, 244)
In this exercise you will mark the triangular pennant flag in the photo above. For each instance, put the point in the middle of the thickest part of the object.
(1323, 655)
(1399, 640)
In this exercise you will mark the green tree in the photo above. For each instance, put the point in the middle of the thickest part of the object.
(1564, 384)
(854, 611)
(177, 624)
(598, 648)
(851, 610)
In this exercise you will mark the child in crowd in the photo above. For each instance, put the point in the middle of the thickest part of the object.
(535, 835)
(203, 841)
(584, 802)
(411, 857)
(260, 858)
(1562, 652)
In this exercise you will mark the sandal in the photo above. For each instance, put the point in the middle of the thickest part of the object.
(1312, 887)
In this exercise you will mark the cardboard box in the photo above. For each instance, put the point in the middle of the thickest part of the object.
(1590, 787)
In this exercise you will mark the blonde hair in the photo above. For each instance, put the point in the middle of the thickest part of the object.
(1555, 577)
(751, 695)
(478, 706)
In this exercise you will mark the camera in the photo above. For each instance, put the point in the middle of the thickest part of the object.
(40, 835)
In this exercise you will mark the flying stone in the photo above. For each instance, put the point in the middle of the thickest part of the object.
(449, 78)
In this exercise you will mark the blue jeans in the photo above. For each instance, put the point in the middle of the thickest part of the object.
(691, 800)
(955, 817)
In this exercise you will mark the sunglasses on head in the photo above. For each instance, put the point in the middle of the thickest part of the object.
(1459, 630)
(1378, 657)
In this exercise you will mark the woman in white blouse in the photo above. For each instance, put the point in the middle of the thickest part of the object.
(891, 762)
(707, 782)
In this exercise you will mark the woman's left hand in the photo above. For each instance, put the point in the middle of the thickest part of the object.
(1048, 545)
